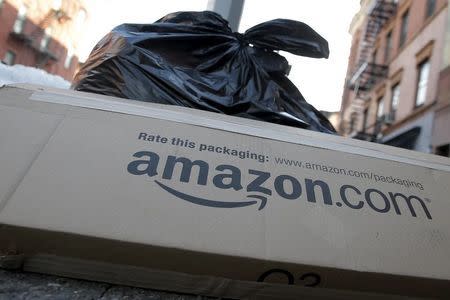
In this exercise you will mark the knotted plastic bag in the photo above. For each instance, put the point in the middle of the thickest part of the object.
(193, 59)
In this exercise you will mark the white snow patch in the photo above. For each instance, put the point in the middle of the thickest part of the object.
(24, 74)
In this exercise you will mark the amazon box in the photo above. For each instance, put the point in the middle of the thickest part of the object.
(178, 199)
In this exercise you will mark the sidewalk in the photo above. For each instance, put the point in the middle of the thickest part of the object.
(20, 285)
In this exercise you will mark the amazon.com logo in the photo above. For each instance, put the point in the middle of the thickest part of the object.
(262, 186)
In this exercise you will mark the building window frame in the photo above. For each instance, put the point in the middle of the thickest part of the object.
(9, 58)
(68, 59)
(374, 55)
(365, 126)
(81, 17)
(395, 99)
(353, 122)
(422, 81)
(430, 8)
(388, 47)
(403, 29)
(380, 107)
(21, 19)
(46, 39)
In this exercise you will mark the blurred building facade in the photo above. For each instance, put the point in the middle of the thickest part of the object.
(398, 76)
(332, 116)
(42, 34)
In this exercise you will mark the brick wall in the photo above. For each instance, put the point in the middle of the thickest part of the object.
(66, 32)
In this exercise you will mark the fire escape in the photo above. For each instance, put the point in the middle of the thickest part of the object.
(368, 73)
(43, 54)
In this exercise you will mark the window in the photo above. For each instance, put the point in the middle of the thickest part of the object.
(68, 60)
(80, 21)
(422, 82)
(429, 10)
(404, 29)
(81, 17)
(19, 24)
(353, 118)
(9, 58)
(366, 117)
(380, 107)
(443, 150)
(387, 49)
(45, 41)
(56, 4)
(374, 56)
(395, 98)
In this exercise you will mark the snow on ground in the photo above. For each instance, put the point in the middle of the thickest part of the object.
(24, 74)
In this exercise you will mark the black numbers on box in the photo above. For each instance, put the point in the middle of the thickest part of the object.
(307, 279)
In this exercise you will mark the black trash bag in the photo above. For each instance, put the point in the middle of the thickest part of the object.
(193, 59)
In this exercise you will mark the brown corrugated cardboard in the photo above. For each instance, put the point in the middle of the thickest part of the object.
(89, 180)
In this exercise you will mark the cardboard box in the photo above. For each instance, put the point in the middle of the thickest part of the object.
(177, 199)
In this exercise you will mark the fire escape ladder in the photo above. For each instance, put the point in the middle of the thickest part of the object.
(368, 73)
(32, 39)
(46, 22)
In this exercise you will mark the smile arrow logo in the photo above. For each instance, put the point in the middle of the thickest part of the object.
(214, 203)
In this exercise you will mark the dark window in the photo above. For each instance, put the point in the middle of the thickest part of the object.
(353, 122)
(431, 6)
(374, 56)
(443, 150)
(387, 49)
(366, 117)
(404, 29)
(9, 58)
(423, 70)
(395, 99)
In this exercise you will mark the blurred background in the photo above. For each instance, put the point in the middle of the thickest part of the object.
(387, 79)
